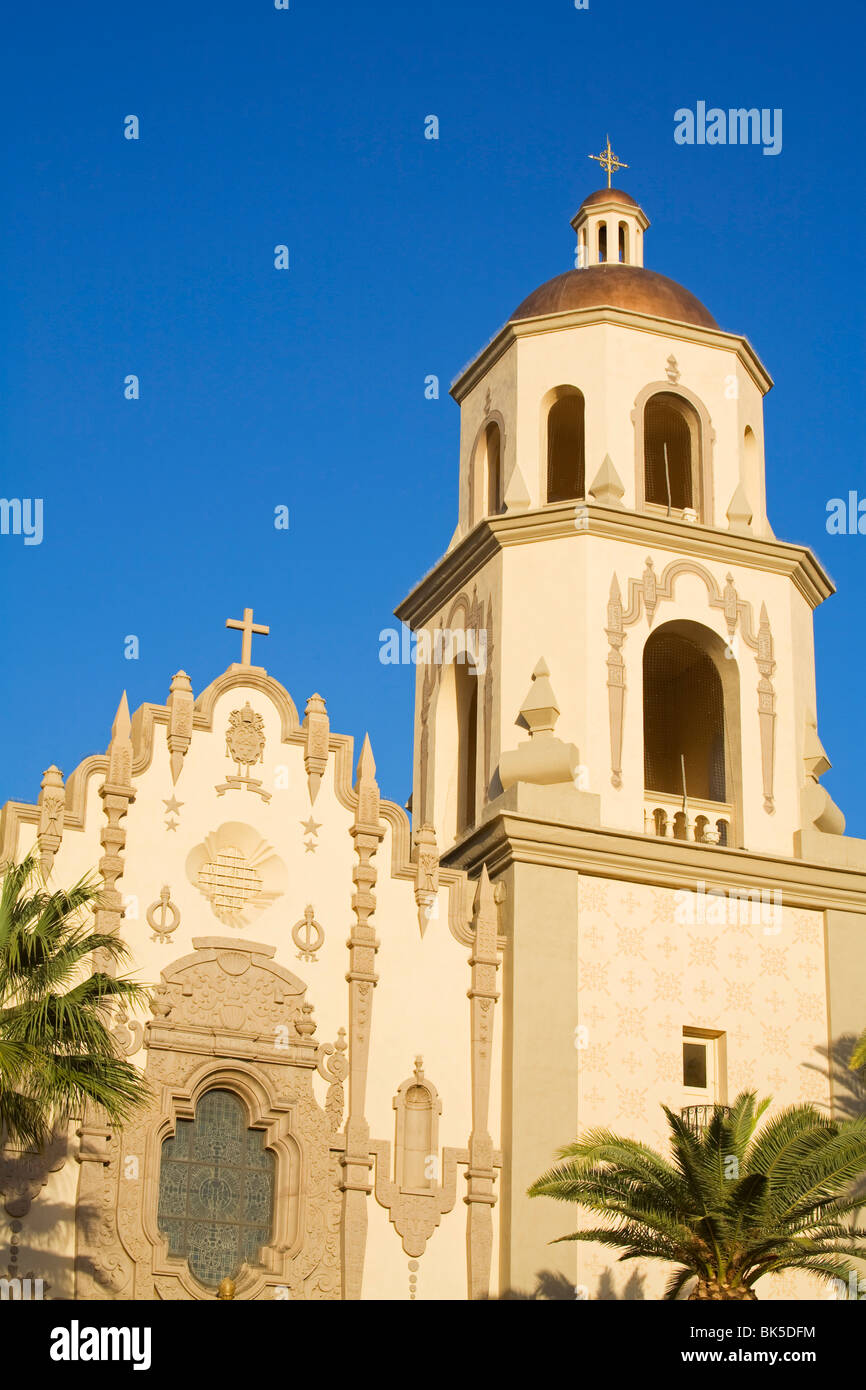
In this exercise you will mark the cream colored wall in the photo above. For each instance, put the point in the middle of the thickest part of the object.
(420, 1004)
(643, 976)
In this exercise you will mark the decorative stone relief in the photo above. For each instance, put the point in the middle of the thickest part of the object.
(308, 935)
(128, 1032)
(426, 875)
(163, 916)
(615, 680)
(483, 1158)
(52, 805)
(767, 707)
(357, 1160)
(245, 744)
(317, 728)
(226, 1017)
(181, 705)
(333, 1067)
(645, 594)
(415, 1199)
(238, 872)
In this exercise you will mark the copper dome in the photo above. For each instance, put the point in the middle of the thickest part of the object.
(607, 195)
(618, 287)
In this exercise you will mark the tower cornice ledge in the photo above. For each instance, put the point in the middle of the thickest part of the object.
(553, 522)
(509, 837)
(477, 368)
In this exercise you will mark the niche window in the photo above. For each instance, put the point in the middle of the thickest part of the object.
(565, 448)
(670, 453)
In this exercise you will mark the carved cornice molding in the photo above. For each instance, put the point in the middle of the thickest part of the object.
(552, 522)
(734, 343)
(511, 838)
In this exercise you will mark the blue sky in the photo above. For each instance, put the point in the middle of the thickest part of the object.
(306, 388)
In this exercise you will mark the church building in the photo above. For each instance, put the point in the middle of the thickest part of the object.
(620, 883)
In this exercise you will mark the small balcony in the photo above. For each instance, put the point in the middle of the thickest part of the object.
(697, 1117)
(675, 818)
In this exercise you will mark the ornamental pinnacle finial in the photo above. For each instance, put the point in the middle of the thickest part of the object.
(608, 160)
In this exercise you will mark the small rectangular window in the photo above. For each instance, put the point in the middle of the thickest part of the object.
(695, 1065)
(704, 1067)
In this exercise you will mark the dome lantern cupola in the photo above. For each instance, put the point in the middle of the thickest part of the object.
(609, 224)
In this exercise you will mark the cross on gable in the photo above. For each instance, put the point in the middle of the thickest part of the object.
(247, 627)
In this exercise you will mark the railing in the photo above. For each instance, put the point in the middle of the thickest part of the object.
(701, 822)
(697, 1117)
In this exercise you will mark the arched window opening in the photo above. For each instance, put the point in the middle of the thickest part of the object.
(467, 741)
(623, 242)
(216, 1190)
(670, 434)
(565, 448)
(602, 241)
(493, 453)
(684, 720)
(581, 249)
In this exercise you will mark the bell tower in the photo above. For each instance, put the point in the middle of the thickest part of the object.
(619, 706)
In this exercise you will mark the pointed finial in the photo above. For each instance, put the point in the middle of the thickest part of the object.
(120, 748)
(607, 486)
(540, 708)
(366, 762)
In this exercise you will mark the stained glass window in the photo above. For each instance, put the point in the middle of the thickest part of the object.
(216, 1189)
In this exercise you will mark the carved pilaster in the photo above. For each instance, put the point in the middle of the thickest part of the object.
(95, 1221)
(357, 1160)
(767, 707)
(615, 680)
(117, 794)
(422, 811)
(181, 703)
(52, 807)
(480, 1175)
(317, 728)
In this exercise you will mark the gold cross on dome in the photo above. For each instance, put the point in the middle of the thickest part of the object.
(608, 160)
(247, 627)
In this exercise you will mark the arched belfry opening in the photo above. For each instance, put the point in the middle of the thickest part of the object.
(493, 468)
(486, 487)
(691, 732)
(566, 446)
(466, 679)
(456, 748)
(671, 438)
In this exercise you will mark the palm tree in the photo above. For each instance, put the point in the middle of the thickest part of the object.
(57, 1053)
(730, 1204)
(858, 1053)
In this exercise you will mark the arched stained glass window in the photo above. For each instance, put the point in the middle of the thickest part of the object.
(216, 1190)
